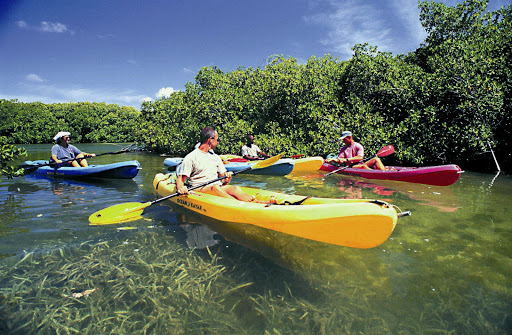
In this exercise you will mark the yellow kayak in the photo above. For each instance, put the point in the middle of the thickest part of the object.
(357, 223)
(308, 164)
(227, 157)
(301, 164)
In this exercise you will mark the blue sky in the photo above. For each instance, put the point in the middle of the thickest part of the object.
(125, 51)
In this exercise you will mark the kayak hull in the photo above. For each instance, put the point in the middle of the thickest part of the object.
(300, 164)
(440, 175)
(281, 168)
(357, 223)
(308, 164)
(172, 162)
(120, 170)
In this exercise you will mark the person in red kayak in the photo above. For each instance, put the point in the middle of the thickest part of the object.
(353, 152)
(251, 151)
(202, 165)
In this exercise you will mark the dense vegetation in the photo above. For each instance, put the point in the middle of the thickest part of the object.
(447, 101)
(9, 152)
(27, 123)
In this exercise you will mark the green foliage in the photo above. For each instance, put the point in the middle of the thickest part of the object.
(87, 122)
(467, 61)
(290, 107)
(443, 103)
(8, 153)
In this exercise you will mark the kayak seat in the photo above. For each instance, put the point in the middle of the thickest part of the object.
(171, 177)
(288, 203)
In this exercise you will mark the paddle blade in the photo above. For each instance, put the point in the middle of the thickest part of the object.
(267, 162)
(28, 169)
(118, 213)
(386, 151)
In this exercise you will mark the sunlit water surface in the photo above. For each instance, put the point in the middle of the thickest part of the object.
(445, 269)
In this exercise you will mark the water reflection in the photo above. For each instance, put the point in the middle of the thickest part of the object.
(440, 197)
(39, 209)
(123, 185)
(446, 269)
(312, 260)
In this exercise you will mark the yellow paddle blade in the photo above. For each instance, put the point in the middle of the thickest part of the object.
(267, 162)
(118, 213)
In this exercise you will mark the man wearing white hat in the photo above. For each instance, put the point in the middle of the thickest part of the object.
(352, 153)
(63, 152)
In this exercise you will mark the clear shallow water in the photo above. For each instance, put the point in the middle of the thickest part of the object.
(447, 268)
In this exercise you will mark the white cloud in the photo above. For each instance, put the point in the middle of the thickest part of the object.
(131, 61)
(392, 26)
(53, 94)
(46, 27)
(165, 92)
(350, 23)
(187, 70)
(22, 24)
(105, 36)
(409, 13)
(34, 77)
(39, 91)
(53, 27)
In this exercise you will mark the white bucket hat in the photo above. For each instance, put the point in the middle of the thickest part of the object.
(60, 134)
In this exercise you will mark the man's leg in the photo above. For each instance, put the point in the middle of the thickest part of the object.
(227, 191)
(83, 162)
(375, 163)
(230, 191)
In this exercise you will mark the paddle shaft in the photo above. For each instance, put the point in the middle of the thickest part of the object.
(353, 164)
(383, 152)
(33, 167)
(132, 210)
(196, 187)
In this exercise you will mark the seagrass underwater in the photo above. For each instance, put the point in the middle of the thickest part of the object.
(444, 268)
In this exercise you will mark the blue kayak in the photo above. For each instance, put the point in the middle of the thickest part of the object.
(172, 162)
(281, 168)
(121, 170)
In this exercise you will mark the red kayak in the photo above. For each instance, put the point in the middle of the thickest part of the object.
(440, 175)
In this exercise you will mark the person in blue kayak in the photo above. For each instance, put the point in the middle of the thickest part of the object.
(67, 154)
(251, 151)
(352, 152)
(202, 165)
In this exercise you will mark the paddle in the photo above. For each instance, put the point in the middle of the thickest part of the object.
(133, 210)
(243, 160)
(32, 167)
(385, 151)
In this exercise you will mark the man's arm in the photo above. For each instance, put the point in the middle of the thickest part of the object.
(229, 175)
(54, 158)
(354, 160)
(180, 184)
(264, 154)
